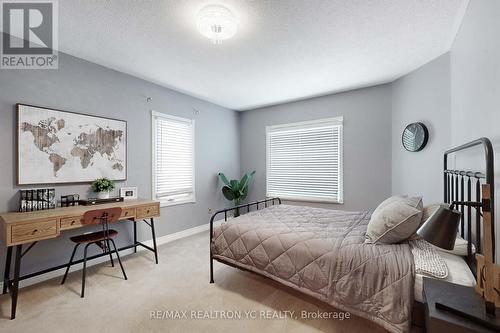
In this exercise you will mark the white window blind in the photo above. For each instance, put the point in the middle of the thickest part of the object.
(173, 159)
(304, 160)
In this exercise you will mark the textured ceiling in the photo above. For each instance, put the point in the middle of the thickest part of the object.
(284, 50)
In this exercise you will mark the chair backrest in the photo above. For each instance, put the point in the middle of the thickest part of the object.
(100, 216)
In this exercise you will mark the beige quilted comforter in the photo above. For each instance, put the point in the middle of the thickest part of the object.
(321, 252)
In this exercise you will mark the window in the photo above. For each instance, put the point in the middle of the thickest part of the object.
(173, 159)
(304, 161)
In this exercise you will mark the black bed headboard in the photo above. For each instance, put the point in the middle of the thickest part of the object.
(465, 186)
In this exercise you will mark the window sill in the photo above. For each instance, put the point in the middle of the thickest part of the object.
(176, 203)
(312, 200)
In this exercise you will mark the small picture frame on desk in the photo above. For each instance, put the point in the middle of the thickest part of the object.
(128, 193)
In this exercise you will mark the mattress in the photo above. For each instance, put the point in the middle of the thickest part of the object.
(458, 273)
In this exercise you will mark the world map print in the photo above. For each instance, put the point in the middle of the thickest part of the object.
(58, 147)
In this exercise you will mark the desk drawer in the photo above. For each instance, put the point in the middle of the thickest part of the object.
(148, 211)
(33, 231)
(71, 222)
(128, 213)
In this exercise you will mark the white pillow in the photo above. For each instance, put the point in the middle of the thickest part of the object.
(394, 220)
(460, 248)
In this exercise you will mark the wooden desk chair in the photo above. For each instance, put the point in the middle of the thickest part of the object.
(100, 238)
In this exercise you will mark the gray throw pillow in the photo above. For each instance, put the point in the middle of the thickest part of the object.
(394, 220)
(430, 209)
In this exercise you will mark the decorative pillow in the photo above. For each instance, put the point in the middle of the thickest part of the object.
(390, 200)
(460, 248)
(427, 259)
(394, 220)
(430, 209)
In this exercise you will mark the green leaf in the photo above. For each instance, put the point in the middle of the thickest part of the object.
(224, 179)
(246, 179)
(234, 184)
(244, 193)
(228, 193)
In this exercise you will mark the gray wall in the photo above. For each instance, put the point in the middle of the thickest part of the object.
(84, 87)
(458, 96)
(424, 96)
(367, 141)
(475, 85)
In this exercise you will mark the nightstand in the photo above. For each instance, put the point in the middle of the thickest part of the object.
(455, 296)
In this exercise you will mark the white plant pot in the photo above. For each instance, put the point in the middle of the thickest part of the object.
(103, 195)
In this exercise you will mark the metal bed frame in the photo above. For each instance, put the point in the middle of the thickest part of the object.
(458, 188)
(236, 209)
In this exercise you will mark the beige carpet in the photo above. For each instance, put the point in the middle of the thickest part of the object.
(178, 283)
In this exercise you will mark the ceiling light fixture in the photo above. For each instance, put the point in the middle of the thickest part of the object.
(217, 23)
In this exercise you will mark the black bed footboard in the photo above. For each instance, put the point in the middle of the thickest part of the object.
(257, 204)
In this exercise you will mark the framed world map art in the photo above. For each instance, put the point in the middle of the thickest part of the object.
(56, 146)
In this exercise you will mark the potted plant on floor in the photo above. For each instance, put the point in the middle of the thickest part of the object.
(102, 187)
(236, 190)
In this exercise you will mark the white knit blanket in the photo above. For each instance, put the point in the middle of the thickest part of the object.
(427, 259)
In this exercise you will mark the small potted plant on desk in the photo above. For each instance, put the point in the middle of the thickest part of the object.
(102, 187)
(236, 190)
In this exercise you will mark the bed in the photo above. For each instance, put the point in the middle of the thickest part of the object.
(322, 253)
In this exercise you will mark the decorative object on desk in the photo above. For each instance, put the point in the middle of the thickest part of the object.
(102, 187)
(56, 146)
(70, 200)
(415, 137)
(95, 201)
(236, 190)
(37, 199)
(441, 230)
(128, 193)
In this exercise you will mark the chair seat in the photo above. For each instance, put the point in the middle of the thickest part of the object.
(93, 237)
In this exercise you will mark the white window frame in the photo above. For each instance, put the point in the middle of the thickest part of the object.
(311, 124)
(192, 197)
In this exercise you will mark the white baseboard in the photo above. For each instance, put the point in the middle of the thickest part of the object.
(159, 241)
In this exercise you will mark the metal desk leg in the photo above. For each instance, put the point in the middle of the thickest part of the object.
(154, 240)
(15, 282)
(6, 274)
(211, 267)
(135, 236)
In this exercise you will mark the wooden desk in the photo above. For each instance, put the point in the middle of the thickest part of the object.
(17, 229)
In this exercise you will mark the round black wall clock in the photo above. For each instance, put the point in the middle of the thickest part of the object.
(415, 137)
